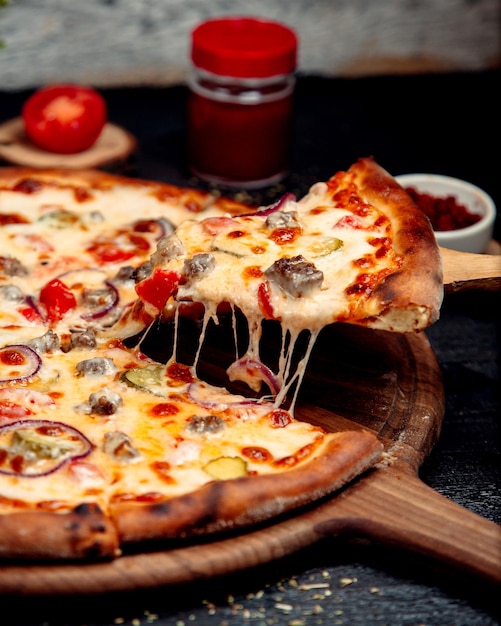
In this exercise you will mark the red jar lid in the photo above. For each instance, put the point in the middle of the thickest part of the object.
(244, 47)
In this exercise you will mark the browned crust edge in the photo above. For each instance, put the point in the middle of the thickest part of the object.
(243, 502)
(418, 285)
(87, 533)
(83, 533)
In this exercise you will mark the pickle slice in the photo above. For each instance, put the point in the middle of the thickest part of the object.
(148, 378)
(226, 467)
(33, 445)
(325, 245)
(32, 448)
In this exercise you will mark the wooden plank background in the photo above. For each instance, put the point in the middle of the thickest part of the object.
(112, 43)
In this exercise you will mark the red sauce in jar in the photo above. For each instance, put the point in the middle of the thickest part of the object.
(231, 142)
(240, 106)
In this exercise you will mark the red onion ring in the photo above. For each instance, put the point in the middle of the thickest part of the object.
(254, 373)
(106, 308)
(162, 225)
(76, 274)
(214, 398)
(87, 445)
(276, 206)
(22, 360)
(97, 312)
(30, 301)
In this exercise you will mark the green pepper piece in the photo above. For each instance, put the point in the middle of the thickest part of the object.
(226, 467)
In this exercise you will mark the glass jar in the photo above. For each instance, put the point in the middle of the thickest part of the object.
(241, 101)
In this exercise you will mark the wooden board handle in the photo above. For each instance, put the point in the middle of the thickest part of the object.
(398, 509)
(464, 270)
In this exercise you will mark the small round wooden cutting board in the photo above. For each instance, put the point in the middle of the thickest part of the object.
(113, 145)
(385, 382)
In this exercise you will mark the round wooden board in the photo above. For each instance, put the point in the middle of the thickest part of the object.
(389, 383)
(113, 145)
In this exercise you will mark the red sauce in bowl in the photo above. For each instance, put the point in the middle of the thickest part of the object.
(444, 213)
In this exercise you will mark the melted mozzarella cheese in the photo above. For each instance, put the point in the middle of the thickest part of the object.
(347, 241)
(237, 275)
(170, 457)
(53, 230)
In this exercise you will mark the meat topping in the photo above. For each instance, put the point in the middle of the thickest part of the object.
(296, 276)
(10, 266)
(46, 343)
(11, 293)
(83, 339)
(124, 274)
(199, 265)
(119, 446)
(143, 271)
(282, 219)
(104, 402)
(97, 366)
(205, 424)
(168, 248)
(98, 298)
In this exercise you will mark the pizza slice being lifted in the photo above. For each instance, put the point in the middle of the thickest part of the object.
(355, 249)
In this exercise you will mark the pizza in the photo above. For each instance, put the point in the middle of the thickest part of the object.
(102, 446)
(355, 249)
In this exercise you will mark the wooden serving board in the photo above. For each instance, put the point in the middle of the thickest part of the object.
(464, 270)
(388, 383)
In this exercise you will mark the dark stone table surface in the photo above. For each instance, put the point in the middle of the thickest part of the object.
(445, 124)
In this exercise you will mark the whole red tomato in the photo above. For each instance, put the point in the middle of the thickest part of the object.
(64, 118)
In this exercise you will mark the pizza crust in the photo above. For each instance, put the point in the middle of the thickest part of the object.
(83, 533)
(403, 303)
(195, 200)
(243, 502)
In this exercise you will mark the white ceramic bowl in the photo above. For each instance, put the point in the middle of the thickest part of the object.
(472, 238)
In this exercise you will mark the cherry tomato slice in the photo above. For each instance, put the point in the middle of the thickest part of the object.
(109, 253)
(158, 288)
(64, 118)
(30, 314)
(123, 247)
(264, 301)
(57, 300)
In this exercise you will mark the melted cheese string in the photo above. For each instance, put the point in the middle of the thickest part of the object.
(288, 375)
(210, 313)
(300, 369)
